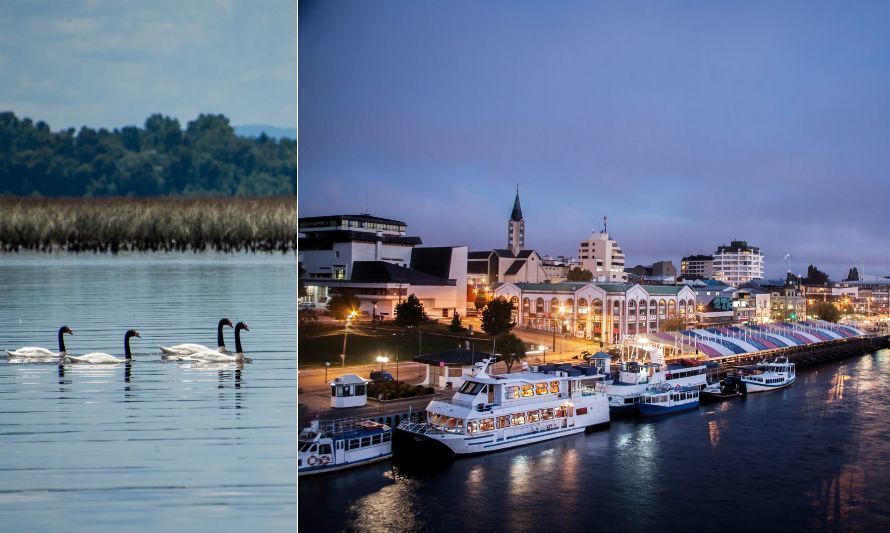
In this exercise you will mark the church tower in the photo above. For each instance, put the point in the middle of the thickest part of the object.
(516, 227)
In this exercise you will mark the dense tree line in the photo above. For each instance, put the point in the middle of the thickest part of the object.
(204, 159)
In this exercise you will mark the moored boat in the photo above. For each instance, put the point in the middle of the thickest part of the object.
(496, 412)
(768, 375)
(663, 399)
(339, 444)
(633, 378)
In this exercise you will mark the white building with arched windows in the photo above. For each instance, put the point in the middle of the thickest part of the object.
(598, 311)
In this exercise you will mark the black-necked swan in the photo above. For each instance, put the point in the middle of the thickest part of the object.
(32, 351)
(189, 348)
(211, 356)
(104, 358)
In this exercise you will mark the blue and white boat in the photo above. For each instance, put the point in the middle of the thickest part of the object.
(633, 379)
(663, 400)
(339, 444)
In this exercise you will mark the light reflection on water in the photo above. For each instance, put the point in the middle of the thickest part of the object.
(814, 456)
(161, 445)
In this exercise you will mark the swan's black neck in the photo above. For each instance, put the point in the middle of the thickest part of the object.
(238, 341)
(219, 336)
(127, 353)
(61, 342)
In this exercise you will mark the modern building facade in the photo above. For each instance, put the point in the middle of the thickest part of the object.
(738, 263)
(598, 311)
(602, 256)
(697, 267)
(373, 259)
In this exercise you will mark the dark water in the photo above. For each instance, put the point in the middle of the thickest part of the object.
(159, 445)
(815, 456)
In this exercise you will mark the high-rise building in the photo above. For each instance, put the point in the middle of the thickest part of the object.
(516, 227)
(602, 256)
(738, 263)
(697, 266)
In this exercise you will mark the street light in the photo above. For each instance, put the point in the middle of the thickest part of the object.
(326, 365)
(382, 359)
(349, 318)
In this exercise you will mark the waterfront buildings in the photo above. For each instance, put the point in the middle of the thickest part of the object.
(374, 259)
(697, 267)
(597, 310)
(602, 256)
(738, 263)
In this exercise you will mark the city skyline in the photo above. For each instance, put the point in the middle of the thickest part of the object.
(688, 127)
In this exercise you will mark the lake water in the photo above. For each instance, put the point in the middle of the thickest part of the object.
(815, 456)
(153, 445)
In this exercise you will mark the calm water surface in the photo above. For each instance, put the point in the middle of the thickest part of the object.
(814, 457)
(153, 445)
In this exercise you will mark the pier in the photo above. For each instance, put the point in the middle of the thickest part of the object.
(810, 354)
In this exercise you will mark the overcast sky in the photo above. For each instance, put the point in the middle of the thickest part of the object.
(114, 62)
(688, 123)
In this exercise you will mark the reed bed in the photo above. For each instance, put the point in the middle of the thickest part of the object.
(165, 224)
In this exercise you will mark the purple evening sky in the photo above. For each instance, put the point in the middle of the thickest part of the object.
(688, 123)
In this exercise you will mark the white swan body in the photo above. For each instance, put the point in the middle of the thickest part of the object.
(43, 353)
(191, 348)
(95, 358)
(215, 356)
(33, 351)
(98, 358)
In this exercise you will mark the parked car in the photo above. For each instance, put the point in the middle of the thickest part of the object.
(381, 375)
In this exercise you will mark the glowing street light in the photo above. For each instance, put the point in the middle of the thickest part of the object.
(382, 359)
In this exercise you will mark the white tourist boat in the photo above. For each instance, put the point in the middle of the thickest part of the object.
(767, 375)
(496, 412)
(339, 444)
(633, 378)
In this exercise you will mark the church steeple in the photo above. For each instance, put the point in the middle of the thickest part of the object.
(517, 209)
(516, 227)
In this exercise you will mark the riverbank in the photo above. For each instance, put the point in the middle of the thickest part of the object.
(162, 224)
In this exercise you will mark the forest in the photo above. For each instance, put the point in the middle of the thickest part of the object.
(161, 158)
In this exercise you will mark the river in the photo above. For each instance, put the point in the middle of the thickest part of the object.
(153, 445)
(814, 456)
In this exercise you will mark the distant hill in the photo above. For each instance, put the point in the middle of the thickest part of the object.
(254, 130)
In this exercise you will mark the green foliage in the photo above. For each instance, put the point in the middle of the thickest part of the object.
(342, 304)
(579, 274)
(672, 324)
(480, 301)
(204, 159)
(456, 326)
(853, 274)
(497, 317)
(410, 312)
(826, 311)
(148, 224)
(815, 276)
(511, 349)
(392, 390)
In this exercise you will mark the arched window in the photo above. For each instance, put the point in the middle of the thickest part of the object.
(662, 307)
(539, 306)
(616, 308)
(682, 307)
(672, 308)
(642, 307)
(582, 306)
(652, 306)
(554, 306)
(515, 301)
(526, 304)
(597, 308)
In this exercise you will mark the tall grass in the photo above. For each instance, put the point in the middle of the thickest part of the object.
(148, 224)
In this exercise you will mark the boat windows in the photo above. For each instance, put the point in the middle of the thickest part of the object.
(471, 387)
(554, 387)
(503, 422)
(561, 411)
(387, 437)
(547, 414)
(541, 389)
(527, 391)
(487, 424)
(472, 426)
(511, 392)
(533, 416)
(376, 439)
(353, 444)
(304, 446)
(324, 449)
(366, 441)
(517, 419)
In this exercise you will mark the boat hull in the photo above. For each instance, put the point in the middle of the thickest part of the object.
(647, 409)
(410, 443)
(328, 468)
(760, 387)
